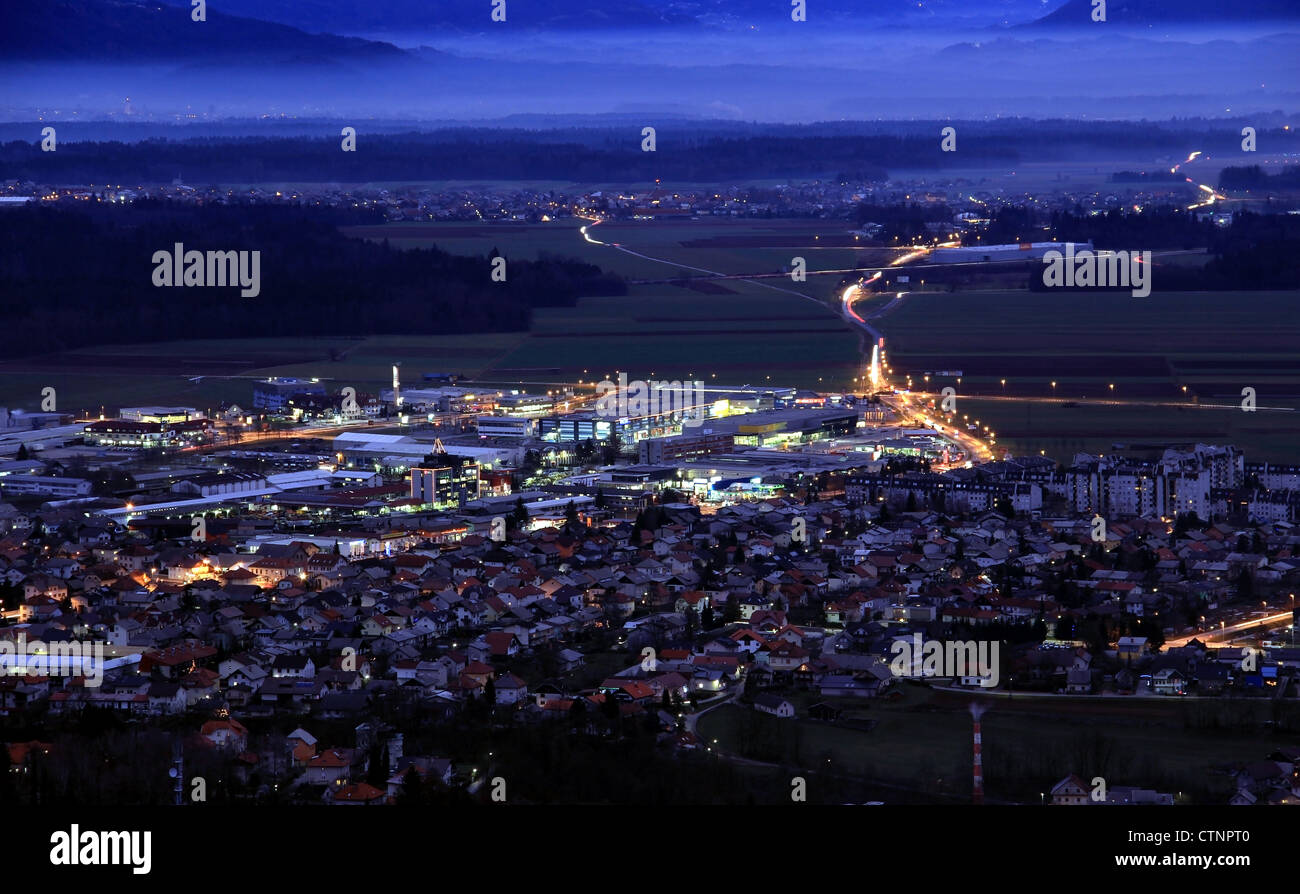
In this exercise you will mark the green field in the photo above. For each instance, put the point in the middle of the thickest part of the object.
(750, 336)
(923, 742)
(731, 331)
(1170, 357)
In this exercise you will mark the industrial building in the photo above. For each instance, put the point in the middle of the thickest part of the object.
(274, 393)
(13, 485)
(506, 427)
(1016, 251)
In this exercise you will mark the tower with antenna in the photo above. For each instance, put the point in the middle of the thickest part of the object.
(977, 788)
(177, 773)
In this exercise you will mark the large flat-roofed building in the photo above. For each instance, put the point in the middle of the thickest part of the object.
(20, 420)
(575, 427)
(160, 414)
(403, 451)
(41, 484)
(526, 404)
(220, 483)
(125, 433)
(506, 427)
(274, 393)
(1015, 251)
(784, 426)
(684, 446)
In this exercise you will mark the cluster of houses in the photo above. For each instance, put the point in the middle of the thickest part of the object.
(1274, 780)
(785, 596)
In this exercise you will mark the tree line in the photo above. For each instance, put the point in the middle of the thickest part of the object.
(70, 278)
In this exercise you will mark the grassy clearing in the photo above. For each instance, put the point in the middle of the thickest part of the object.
(924, 742)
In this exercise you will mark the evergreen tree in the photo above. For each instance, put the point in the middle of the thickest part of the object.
(411, 794)
(578, 713)
(518, 517)
(377, 767)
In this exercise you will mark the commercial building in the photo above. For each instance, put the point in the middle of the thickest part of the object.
(789, 426)
(577, 427)
(274, 393)
(125, 433)
(449, 481)
(506, 427)
(525, 404)
(160, 414)
(684, 446)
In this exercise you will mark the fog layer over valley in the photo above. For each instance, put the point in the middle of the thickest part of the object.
(994, 63)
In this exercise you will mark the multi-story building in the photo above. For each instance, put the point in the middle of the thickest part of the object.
(124, 433)
(506, 427)
(1179, 482)
(956, 495)
(446, 481)
(684, 446)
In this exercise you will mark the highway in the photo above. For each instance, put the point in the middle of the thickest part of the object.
(905, 403)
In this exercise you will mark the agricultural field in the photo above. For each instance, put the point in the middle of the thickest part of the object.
(748, 335)
(679, 320)
(722, 246)
(1126, 370)
(103, 379)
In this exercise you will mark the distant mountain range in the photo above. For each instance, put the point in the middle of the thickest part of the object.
(307, 31)
(393, 16)
(433, 60)
(1173, 12)
(129, 31)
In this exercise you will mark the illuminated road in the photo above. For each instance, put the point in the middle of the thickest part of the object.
(595, 221)
(1112, 402)
(1225, 633)
(1211, 196)
(905, 404)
